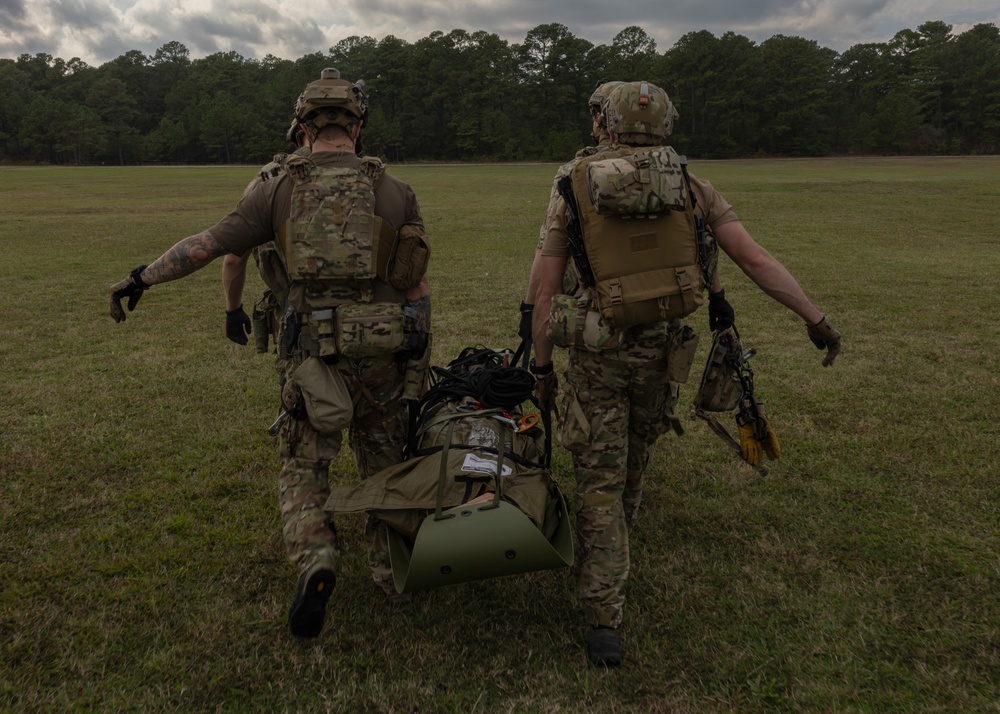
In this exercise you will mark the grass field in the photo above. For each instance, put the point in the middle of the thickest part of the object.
(141, 562)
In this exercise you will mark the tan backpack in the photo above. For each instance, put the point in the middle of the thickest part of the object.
(648, 254)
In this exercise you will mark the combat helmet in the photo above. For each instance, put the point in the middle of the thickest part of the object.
(638, 113)
(597, 99)
(295, 133)
(331, 100)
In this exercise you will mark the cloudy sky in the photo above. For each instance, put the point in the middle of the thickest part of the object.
(100, 30)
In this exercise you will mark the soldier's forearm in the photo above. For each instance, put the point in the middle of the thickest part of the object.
(234, 274)
(187, 256)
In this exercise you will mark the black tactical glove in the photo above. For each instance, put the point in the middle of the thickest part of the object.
(721, 315)
(131, 287)
(238, 325)
(524, 329)
(826, 338)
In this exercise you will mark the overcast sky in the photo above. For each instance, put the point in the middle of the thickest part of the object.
(100, 30)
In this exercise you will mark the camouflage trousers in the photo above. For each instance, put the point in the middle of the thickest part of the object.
(613, 411)
(377, 436)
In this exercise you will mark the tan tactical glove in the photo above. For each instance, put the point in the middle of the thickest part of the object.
(751, 449)
(825, 337)
(770, 442)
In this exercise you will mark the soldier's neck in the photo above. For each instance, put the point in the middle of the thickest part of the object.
(338, 144)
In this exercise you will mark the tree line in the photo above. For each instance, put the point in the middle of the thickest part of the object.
(474, 96)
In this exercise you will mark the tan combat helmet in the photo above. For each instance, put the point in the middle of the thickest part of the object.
(597, 99)
(638, 113)
(331, 100)
(295, 133)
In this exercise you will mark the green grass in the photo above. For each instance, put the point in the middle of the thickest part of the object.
(141, 562)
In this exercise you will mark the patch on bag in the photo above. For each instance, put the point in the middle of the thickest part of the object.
(481, 434)
(477, 464)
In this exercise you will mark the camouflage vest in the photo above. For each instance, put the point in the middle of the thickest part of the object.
(640, 234)
(331, 248)
(268, 258)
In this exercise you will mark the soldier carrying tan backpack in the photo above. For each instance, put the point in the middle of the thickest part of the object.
(641, 233)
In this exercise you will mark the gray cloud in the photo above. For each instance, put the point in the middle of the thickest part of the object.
(100, 30)
(11, 11)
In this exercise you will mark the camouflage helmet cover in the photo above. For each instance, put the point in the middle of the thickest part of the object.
(638, 111)
(295, 133)
(332, 100)
(600, 93)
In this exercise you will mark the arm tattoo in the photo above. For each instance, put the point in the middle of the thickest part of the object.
(187, 256)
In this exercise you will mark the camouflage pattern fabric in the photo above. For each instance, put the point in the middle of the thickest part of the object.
(330, 249)
(615, 406)
(639, 113)
(332, 100)
(645, 182)
(377, 436)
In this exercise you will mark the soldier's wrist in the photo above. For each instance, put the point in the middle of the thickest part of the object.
(137, 280)
(540, 370)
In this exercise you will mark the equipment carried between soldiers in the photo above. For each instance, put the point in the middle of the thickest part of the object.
(727, 384)
(645, 256)
(474, 498)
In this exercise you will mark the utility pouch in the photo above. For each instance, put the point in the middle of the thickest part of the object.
(416, 373)
(263, 318)
(325, 396)
(640, 184)
(680, 354)
(720, 389)
(323, 324)
(408, 261)
(369, 330)
(261, 330)
(573, 324)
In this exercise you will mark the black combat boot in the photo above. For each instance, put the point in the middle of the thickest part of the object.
(604, 646)
(305, 618)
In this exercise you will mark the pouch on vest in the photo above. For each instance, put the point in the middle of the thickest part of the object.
(638, 184)
(372, 330)
(572, 323)
(272, 270)
(407, 263)
(325, 395)
(680, 354)
(720, 389)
